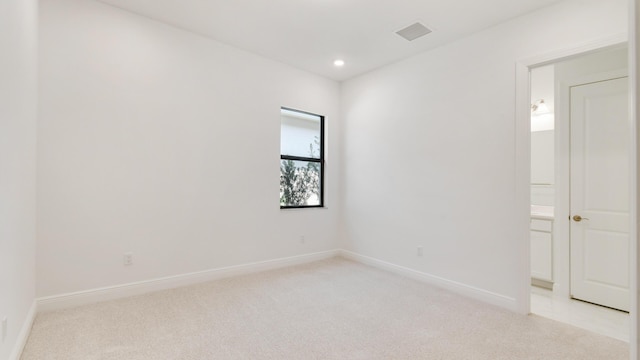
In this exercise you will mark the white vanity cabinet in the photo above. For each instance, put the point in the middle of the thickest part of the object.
(542, 248)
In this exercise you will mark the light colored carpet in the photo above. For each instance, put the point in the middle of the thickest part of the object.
(332, 309)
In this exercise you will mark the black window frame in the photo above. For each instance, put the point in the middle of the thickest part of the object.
(308, 159)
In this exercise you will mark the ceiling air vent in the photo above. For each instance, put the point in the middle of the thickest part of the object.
(414, 31)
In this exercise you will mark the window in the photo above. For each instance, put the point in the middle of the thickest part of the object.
(301, 159)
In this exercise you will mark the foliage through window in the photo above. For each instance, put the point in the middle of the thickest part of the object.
(301, 159)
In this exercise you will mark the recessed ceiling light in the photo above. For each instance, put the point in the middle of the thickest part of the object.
(338, 63)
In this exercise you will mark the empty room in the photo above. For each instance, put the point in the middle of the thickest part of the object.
(318, 179)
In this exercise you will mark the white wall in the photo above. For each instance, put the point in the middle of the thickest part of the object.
(584, 66)
(156, 141)
(542, 85)
(542, 137)
(542, 158)
(18, 112)
(429, 148)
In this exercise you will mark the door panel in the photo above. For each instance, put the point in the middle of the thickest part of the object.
(603, 248)
(600, 193)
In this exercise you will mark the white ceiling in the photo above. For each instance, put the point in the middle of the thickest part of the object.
(311, 34)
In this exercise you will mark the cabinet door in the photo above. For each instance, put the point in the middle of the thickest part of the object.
(541, 255)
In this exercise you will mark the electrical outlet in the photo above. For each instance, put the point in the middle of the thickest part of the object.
(419, 250)
(301, 239)
(128, 258)
(4, 328)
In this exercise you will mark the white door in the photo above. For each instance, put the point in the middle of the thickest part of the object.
(600, 140)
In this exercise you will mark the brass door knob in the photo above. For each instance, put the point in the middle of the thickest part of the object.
(578, 218)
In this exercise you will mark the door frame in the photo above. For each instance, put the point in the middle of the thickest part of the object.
(523, 166)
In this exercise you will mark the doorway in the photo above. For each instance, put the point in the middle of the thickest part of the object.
(579, 225)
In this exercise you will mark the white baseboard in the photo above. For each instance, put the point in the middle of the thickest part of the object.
(79, 298)
(24, 332)
(69, 300)
(453, 286)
